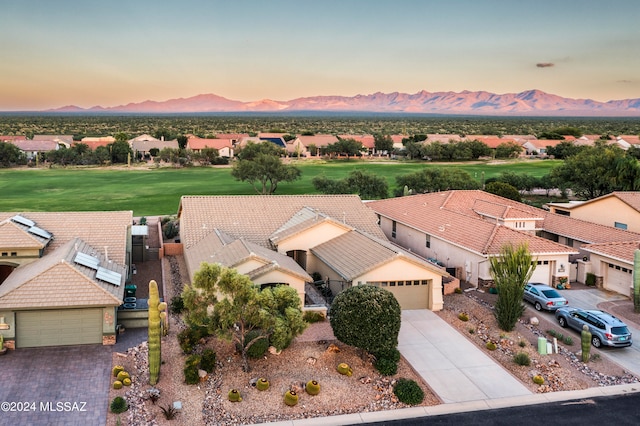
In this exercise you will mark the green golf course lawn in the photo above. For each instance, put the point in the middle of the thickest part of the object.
(149, 191)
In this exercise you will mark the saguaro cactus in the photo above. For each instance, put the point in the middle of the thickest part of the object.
(586, 343)
(154, 333)
(636, 281)
(164, 318)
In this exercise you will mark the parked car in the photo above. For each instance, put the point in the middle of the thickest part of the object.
(605, 328)
(543, 297)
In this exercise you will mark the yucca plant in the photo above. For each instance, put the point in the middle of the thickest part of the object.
(511, 270)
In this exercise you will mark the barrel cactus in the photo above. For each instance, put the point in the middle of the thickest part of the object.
(262, 384)
(154, 333)
(123, 375)
(343, 368)
(586, 343)
(117, 369)
(312, 387)
(538, 379)
(117, 384)
(290, 398)
(127, 382)
(234, 396)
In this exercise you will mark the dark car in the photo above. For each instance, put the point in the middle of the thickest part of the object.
(543, 297)
(605, 328)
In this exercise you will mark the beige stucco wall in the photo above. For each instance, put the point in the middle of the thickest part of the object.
(608, 211)
(311, 237)
(276, 276)
(600, 267)
(249, 265)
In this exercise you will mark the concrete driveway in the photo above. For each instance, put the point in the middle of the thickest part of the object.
(65, 385)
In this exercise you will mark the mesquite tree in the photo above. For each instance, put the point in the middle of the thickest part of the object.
(511, 270)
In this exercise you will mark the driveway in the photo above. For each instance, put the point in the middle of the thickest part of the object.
(627, 358)
(455, 369)
(65, 385)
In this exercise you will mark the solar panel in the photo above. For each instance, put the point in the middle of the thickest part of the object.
(23, 220)
(40, 232)
(87, 260)
(106, 275)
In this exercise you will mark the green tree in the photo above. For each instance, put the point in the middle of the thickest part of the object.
(261, 166)
(592, 172)
(503, 190)
(182, 141)
(382, 143)
(208, 156)
(508, 150)
(230, 306)
(348, 147)
(10, 155)
(120, 152)
(564, 149)
(366, 317)
(435, 179)
(367, 185)
(510, 270)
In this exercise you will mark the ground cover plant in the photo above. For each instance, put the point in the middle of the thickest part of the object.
(158, 191)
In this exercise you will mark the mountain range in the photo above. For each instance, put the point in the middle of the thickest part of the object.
(527, 103)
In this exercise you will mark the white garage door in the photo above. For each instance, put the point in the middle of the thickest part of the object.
(58, 327)
(542, 273)
(619, 279)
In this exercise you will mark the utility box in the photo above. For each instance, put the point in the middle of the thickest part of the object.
(542, 346)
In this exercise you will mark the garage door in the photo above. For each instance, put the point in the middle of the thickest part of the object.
(542, 274)
(411, 294)
(619, 279)
(58, 327)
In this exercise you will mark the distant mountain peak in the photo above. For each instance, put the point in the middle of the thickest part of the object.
(531, 102)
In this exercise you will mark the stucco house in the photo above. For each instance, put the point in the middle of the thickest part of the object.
(143, 144)
(309, 145)
(619, 209)
(31, 148)
(62, 276)
(286, 239)
(224, 146)
(463, 229)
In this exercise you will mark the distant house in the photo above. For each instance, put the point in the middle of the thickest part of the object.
(304, 145)
(62, 276)
(95, 142)
(143, 144)
(367, 141)
(286, 239)
(224, 146)
(540, 146)
(234, 137)
(32, 148)
(276, 138)
(62, 140)
(9, 138)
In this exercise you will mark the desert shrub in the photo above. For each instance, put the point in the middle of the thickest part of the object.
(169, 412)
(590, 280)
(189, 338)
(538, 379)
(170, 230)
(191, 366)
(521, 358)
(177, 305)
(208, 361)
(522, 343)
(119, 405)
(491, 346)
(408, 392)
(313, 316)
(567, 340)
(259, 348)
(457, 290)
(463, 316)
(366, 317)
(386, 366)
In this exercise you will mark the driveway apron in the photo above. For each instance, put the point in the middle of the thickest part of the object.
(66, 385)
(454, 368)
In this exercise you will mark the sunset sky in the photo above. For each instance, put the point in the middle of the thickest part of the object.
(108, 53)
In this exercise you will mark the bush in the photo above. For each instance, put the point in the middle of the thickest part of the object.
(119, 405)
(189, 338)
(522, 358)
(170, 230)
(408, 392)
(366, 317)
(590, 280)
(191, 366)
(386, 366)
(177, 305)
(208, 361)
(313, 316)
(457, 290)
(259, 348)
(522, 343)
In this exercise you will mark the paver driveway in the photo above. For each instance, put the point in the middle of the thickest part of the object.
(65, 385)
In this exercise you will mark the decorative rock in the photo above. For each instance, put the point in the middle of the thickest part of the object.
(534, 321)
(274, 351)
(333, 349)
(203, 375)
(311, 360)
(177, 405)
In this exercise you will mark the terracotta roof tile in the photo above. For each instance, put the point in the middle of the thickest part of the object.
(623, 251)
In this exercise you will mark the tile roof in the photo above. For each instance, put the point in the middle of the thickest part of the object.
(503, 211)
(39, 145)
(106, 231)
(57, 281)
(354, 253)
(13, 235)
(147, 145)
(58, 138)
(367, 141)
(317, 140)
(623, 251)
(199, 143)
(256, 217)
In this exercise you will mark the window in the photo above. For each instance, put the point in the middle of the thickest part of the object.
(13, 253)
(428, 241)
(620, 225)
(393, 229)
(4, 253)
